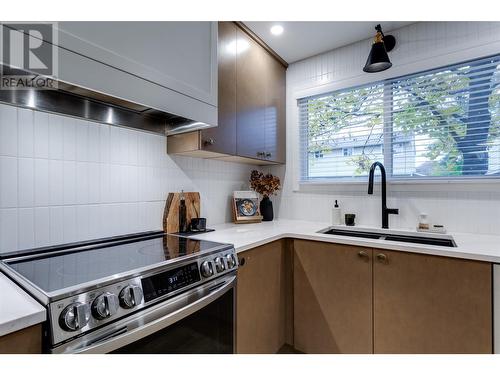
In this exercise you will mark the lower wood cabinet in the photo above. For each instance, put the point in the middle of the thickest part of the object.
(332, 298)
(261, 299)
(25, 341)
(431, 304)
(356, 300)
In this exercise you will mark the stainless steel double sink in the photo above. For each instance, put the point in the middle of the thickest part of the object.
(424, 240)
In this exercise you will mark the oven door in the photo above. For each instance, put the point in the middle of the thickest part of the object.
(199, 321)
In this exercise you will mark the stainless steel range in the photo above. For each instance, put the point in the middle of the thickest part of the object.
(144, 293)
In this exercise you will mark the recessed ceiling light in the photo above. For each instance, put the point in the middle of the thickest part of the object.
(277, 30)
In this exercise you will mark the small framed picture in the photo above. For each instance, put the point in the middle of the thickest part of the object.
(246, 207)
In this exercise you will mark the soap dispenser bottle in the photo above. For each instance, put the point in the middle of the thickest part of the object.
(336, 216)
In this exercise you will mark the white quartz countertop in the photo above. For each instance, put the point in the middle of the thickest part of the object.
(247, 236)
(17, 309)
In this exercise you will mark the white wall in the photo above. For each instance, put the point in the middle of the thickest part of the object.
(64, 179)
(420, 46)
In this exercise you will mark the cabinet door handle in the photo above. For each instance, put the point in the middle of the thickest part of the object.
(209, 141)
(363, 254)
(382, 258)
(241, 261)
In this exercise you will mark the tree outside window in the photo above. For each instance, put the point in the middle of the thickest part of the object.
(440, 123)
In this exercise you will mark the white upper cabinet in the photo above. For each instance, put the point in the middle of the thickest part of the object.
(181, 56)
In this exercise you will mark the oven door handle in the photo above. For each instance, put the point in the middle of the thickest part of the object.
(144, 323)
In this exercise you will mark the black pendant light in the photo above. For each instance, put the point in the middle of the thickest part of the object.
(378, 60)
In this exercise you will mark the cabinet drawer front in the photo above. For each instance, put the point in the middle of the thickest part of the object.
(429, 304)
(332, 298)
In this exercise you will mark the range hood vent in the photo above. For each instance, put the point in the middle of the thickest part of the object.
(79, 102)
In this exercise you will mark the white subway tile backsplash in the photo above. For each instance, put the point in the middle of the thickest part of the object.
(42, 226)
(26, 182)
(26, 228)
(8, 182)
(69, 138)
(94, 221)
(41, 187)
(41, 134)
(104, 183)
(82, 183)
(69, 182)
(94, 183)
(56, 181)
(104, 142)
(82, 140)
(65, 179)
(56, 137)
(133, 147)
(56, 220)
(8, 230)
(26, 135)
(8, 130)
(93, 142)
(70, 228)
(82, 222)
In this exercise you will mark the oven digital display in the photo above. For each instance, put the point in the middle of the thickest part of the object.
(167, 282)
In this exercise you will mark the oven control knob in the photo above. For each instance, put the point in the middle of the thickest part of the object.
(206, 269)
(231, 262)
(130, 296)
(105, 306)
(219, 264)
(74, 316)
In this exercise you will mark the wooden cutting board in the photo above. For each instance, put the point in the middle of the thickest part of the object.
(171, 212)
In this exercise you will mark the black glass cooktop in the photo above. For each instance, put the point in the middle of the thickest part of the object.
(57, 271)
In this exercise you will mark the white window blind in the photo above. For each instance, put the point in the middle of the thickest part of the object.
(442, 123)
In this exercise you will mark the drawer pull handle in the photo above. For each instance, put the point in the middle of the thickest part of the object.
(363, 254)
(382, 258)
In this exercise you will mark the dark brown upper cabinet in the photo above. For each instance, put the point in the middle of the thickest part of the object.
(251, 104)
(260, 102)
(222, 139)
(275, 116)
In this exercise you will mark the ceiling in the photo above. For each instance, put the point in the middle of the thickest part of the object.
(304, 39)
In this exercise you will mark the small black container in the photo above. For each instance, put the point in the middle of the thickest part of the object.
(266, 209)
(198, 224)
(349, 219)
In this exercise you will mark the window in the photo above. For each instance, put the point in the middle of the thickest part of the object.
(347, 151)
(318, 154)
(443, 123)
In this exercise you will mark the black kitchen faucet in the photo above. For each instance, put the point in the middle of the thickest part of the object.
(385, 211)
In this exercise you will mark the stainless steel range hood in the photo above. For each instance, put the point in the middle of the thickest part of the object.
(94, 106)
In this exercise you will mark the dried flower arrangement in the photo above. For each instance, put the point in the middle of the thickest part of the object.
(265, 184)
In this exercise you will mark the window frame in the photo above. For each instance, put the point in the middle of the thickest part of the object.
(388, 125)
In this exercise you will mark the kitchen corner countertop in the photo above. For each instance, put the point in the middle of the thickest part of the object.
(17, 310)
(246, 236)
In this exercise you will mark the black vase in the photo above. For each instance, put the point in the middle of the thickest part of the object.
(266, 209)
